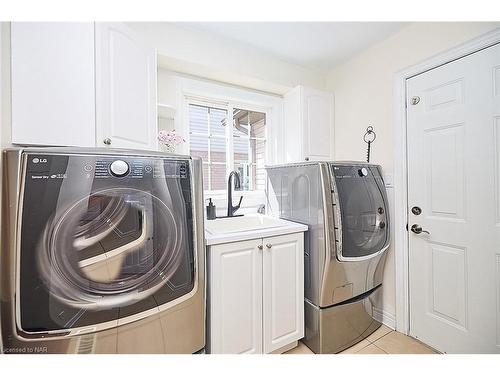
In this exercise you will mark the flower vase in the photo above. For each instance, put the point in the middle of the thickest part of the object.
(168, 148)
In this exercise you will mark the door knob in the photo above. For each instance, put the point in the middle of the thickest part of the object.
(107, 141)
(417, 229)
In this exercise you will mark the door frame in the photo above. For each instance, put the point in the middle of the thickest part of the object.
(401, 234)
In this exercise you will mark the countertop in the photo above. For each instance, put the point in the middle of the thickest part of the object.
(288, 227)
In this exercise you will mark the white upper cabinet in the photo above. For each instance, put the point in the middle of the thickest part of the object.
(82, 84)
(53, 93)
(126, 88)
(308, 126)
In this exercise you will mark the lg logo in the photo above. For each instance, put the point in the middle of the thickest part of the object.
(37, 160)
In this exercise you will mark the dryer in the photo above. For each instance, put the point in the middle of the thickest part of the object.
(102, 252)
(345, 207)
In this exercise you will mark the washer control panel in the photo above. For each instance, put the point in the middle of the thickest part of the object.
(140, 168)
(119, 168)
(56, 167)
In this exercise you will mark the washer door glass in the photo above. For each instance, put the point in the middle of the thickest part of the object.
(96, 248)
(363, 208)
(104, 252)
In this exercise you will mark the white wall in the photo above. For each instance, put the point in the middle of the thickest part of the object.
(4, 99)
(5, 108)
(363, 96)
(196, 53)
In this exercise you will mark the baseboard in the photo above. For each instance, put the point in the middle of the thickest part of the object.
(384, 317)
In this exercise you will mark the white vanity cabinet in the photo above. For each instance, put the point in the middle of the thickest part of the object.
(308, 124)
(256, 294)
(82, 84)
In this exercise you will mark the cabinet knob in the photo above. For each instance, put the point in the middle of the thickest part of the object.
(307, 158)
(260, 247)
(107, 141)
(269, 245)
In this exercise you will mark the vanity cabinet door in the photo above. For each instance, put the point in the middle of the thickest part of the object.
(235, 294)
(283, 290)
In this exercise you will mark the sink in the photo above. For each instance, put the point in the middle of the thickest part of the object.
(246, 223)
(247, 227)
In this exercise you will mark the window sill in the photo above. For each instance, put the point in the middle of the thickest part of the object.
(252, 200)
(222, 194)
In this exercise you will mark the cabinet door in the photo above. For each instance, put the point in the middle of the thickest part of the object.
(125, 88)
(318, 124)
(235, 292)
(53, 93)
(283, 290)
(293, 128)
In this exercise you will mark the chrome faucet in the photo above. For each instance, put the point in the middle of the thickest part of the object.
(237, 184)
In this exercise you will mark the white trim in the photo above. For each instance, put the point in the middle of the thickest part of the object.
(400, 164)
(384, 317)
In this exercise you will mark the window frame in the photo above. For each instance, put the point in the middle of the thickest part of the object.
(229, 106)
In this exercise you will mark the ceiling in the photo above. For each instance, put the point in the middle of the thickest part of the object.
(315, 45)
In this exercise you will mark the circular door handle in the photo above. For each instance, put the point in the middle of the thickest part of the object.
(260, 247)
(416, 210)
(269, 245)
(107, 141)
(417, 229)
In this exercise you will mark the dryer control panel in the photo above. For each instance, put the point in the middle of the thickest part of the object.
(47, 167)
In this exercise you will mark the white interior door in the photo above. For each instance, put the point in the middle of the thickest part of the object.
(454, 177)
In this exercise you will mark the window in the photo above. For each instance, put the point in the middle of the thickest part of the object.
(207, 139)
(249, 140)
(240, 146)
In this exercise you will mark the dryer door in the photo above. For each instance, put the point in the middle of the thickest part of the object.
(364, 220)
(101, 241)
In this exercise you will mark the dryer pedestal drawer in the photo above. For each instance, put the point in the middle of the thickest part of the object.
(333, 329)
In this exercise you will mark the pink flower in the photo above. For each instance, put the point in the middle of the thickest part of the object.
(170, 138)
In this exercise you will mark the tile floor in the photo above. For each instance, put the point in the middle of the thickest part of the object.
(382, 341)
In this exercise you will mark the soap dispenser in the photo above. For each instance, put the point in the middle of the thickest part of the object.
(211, 215)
